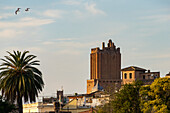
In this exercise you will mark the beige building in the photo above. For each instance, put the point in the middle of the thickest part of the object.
(134, 73)
(38, 107)
(105, 66)
(83, 103)
(73, 107)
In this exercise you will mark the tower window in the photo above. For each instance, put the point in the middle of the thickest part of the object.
(125, 75)
(130, 75)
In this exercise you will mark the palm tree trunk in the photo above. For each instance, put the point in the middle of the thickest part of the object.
(20, 106)
(19, 102)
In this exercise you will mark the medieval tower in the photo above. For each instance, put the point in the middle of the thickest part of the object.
(105, 67)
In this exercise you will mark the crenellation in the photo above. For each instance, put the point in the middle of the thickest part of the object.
(118, 49)
(94, 50)
(103, 45)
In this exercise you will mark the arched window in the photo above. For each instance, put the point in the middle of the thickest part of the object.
(125, 75)
(130, 75)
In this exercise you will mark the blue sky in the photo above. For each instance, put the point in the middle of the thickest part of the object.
(62, 32)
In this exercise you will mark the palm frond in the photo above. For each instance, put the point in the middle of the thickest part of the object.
(19, 77)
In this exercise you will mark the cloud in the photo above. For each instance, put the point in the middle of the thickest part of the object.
(57, 41)
(35, 49)
(69, 52)
(70, 44)
(48, 43)
(26, 22)
(80, 44)
(53, 13)
(92, 9)
(158, 56)
(30, 49)
(79, 14)
(6, 15)
(9, 7)
(9, 33)
(71, 2)
(157, 18)
(65, 39)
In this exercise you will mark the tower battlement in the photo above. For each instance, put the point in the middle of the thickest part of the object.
(110, 46)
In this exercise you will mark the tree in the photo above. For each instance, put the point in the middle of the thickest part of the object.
(5, 106)
(156, 97)
(127, 100)
(19, 78)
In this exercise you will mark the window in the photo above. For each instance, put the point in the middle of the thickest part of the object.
(130, 75)
(143, 76)
(149, 77)
(125, 75)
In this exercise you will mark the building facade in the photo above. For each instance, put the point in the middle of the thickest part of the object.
(38, 107)
(105, 67)
(134, 73)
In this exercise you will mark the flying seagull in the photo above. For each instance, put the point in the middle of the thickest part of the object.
(27, 9)
(17, 11)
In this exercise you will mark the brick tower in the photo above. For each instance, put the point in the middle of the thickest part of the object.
(105, 67)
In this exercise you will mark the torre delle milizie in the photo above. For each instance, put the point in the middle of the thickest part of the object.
(105, 67)
(105, 70)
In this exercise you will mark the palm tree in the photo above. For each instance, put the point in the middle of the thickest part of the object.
(19, 79)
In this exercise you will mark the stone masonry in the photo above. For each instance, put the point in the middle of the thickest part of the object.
(105, 67)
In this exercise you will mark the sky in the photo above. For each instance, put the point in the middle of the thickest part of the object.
(61, 34)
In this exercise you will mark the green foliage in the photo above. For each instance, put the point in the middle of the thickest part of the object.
(107, 108)
(19, 78)
(135, 98)
(5, 106)
(156, 97)
(127, 100)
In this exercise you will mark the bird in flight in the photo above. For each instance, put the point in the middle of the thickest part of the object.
(16, 12)
(27, 9)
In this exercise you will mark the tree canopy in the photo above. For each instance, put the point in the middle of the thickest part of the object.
(127, 99)
(156, 97)
(138, 98)
(19, 78)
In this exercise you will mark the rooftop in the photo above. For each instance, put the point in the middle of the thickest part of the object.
(133, 68)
